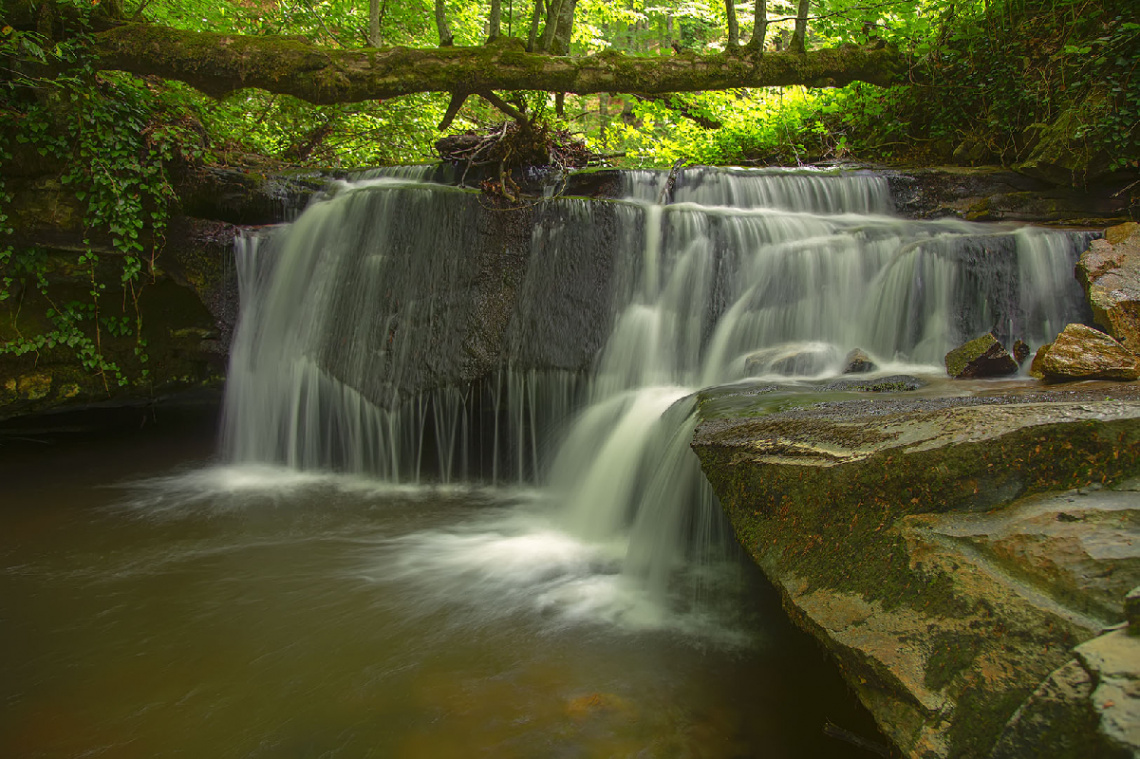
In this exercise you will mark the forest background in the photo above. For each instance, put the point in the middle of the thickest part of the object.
(1046, 87)
(1012, 82)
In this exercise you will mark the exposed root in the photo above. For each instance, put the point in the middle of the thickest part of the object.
(513, 146)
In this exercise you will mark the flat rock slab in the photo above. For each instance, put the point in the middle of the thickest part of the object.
(950, 551)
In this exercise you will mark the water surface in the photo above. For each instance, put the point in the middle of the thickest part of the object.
(155, 603)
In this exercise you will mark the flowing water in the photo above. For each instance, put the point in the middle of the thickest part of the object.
(456, 512)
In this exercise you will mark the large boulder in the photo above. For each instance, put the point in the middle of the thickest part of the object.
(1110, 273)
(981, 357)
(1082, 353)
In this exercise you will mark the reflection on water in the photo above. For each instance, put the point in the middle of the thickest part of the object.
(233, 611)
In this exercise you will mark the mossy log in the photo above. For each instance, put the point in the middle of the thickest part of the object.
(218, 64)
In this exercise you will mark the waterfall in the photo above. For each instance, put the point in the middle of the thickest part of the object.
(415, 331)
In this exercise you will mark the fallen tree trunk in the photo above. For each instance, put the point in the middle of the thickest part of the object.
(218, 64)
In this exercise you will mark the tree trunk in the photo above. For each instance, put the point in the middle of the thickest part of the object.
(603, 118)
(535, 20)
(565, 28)
(759, 26)
(800, 34)
(733, 27)
(218, 64)
(494, 20)
(374, 23)
(553, 13)
(445, 38)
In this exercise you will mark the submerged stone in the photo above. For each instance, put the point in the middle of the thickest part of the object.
(984, 356)
(1110, 273)
(892, 384)
(1082, 353)
(803, 359)
(1020, 351)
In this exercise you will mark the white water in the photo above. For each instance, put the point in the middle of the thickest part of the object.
(745, 275)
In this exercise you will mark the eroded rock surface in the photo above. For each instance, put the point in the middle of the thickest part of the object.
(951, 552)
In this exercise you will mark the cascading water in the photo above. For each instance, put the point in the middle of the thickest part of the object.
(460, 516)
(390, 331)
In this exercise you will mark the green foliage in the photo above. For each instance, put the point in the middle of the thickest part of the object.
(991, 78)
(115, 139)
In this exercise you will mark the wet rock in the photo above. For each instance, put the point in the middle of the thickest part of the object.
(1083, 353)
(993, 194)
(1020, 351)
(1110, 273)
(1059, 715)
(938, 549)
(982, 357)
(893, 384)
(858, 362)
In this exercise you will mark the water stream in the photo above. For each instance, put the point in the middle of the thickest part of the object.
(456, 513)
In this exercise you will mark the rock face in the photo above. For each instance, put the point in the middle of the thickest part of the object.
(981, 357)
(1081, 353)
(1110, 273)
(992, 194)
(950, 553)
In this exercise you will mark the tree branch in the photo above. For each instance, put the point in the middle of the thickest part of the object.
(457, 101)
(682, 109)
(519, 117)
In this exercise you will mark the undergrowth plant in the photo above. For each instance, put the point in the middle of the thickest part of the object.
(115, 139)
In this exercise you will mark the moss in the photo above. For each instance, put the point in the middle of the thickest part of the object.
(980, 717)
(950, 655)
(959, 358)
(831, 525)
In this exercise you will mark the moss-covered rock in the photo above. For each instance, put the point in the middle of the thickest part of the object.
(1061, 153)
(918, 540)
(983, 356)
